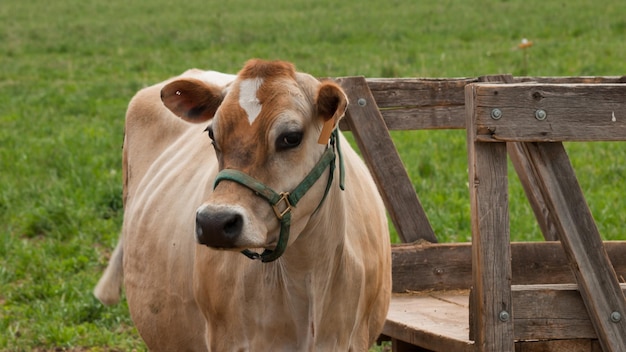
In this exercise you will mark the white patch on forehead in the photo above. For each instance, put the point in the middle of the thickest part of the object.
(247, 97)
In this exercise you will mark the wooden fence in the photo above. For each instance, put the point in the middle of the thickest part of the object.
(493, 295)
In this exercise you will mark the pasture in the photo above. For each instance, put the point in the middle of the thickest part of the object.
(68, 69)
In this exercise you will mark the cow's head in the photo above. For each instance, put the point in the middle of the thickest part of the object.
(272, 125)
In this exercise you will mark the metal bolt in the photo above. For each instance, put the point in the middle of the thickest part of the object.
(361, 102)
(496, 114)
(616, 317)
(504, 316)
(540, 115)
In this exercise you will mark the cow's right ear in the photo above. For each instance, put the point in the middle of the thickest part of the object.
(191, 99)
(331, 103)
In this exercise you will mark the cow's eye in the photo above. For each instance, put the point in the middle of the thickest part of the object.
(209, 130)
(288, 140)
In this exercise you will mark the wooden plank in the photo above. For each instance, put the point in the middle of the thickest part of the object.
(573, 112)
(415, 104)
(420, 118)
(575, 345)
(573, 79)
(382, 158)
(436, 322)
(581, 240)
(491, 253)
(551, 312)
(448, 266)
(418, 92)
(423, 118)
(430, 92)
(424, 267)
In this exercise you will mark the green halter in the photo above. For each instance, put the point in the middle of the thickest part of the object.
(284, 201)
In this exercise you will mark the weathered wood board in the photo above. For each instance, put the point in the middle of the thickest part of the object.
(448, 266)
(436, 321)
(549, 112)
(491, 252)
(551, 312)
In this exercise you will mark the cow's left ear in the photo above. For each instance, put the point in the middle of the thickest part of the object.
(331, 104)
(191, 99)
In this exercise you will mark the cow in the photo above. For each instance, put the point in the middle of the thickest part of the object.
(244, 240)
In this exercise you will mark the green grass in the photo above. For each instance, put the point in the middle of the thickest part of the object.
(68, 69)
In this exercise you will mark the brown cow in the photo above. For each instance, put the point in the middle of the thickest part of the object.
(268, 186)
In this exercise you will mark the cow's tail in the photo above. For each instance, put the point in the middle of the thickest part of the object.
(109, 286)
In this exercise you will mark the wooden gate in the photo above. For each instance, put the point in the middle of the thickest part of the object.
(493, 295)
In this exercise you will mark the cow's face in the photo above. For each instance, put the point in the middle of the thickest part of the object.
(266, 124)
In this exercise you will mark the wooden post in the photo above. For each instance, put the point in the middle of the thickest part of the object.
(492, 312)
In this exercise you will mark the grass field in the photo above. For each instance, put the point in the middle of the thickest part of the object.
(68, 69)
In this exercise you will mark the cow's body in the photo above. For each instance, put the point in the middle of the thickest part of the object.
(330, 289)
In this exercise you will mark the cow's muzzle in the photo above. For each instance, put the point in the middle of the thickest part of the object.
(219, 229)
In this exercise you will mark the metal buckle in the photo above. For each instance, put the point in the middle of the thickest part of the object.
(284, 196)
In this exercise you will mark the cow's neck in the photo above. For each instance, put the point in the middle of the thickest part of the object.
(315, 265)
(321, 237)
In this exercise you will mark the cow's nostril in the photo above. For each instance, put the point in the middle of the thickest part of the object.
(218, 229)
(232, 227)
